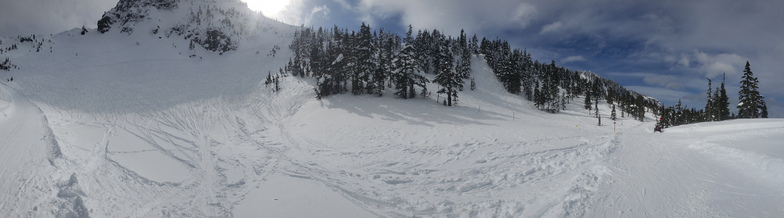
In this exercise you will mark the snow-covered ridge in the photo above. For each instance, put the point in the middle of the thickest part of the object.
(215, 25)
(129, 12)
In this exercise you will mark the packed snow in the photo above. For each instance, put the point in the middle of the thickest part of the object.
(119, 125)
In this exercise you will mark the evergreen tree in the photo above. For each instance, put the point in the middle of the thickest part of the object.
(748, 96)
(553, 92)
(613, 115)
(710, 107)
(296, 66)
(641, 108)
(596, 108)
(677, 119)
(473, 47)
(439, 50)
(364, 60)
(422, 50)
(544, 93)
(610, 97)
(518, 71)
(404, 76)
(332, 80)
(269, 78)
(527, 76)
(587, 104)
(623, 113)
(464, 64)
(597, 112)
(277, 83)
(384, 55)
(349, 53)
(538, 96)
(723, 103)
(409, 40)
(563, 101)
(446, 76)
(317, 57)
(462, 42)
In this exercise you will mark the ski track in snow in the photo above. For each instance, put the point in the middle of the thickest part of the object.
(125, 132)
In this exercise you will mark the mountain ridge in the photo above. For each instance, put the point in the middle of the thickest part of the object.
(214, 25)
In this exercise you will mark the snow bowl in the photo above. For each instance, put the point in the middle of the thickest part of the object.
(135, 154)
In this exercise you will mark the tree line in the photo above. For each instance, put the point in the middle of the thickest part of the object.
(368, 62)
(751, 104)
(551, 87)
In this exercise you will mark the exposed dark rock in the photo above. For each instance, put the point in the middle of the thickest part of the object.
(129, 11)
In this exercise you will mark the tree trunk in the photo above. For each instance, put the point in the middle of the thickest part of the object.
(449, 97)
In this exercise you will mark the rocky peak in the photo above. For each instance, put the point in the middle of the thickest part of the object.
(130, 11)
(215, 25)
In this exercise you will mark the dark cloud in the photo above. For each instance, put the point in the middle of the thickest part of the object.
(49, 16)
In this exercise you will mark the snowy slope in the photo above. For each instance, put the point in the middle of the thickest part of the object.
(723, 169)
(133, 125)
(27, 154)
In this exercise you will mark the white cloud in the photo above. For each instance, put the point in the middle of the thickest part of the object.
(551, 27)
(715, 65)
(573, 59)
(293, 13)
(684, 61)
(717, 68)
(524, 13)
(322, 10)
(345, 4)
(667, 81)
(50, 16)
(449, 16)
(669, 58)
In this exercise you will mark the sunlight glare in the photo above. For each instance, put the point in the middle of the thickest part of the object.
(270, 8)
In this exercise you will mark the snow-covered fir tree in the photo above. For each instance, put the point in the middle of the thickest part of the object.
(446, 77)
(404, 76)
(749, 99)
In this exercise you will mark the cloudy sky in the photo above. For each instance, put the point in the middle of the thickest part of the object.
(664, 48)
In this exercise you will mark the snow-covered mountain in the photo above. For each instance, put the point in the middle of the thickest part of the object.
(155, 114)
(215, 25)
